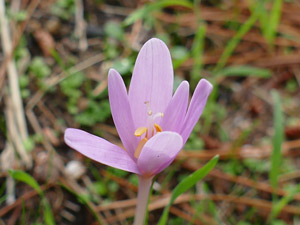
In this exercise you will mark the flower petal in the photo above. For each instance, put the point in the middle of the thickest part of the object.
(121, 112)
(158, 152)
(152, 81)
(196, 107)
(100, 150)
(175, 112)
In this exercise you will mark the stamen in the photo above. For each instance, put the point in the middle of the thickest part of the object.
(160, 114)
(140, 131)
(157, 128)
(140, 147)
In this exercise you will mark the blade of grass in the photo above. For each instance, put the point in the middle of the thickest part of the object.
(186, 184)
(278, 206)
(274, 19)
(236, 39)
(197, 53)
(48, 215)
(244, 71)
(155, 6)
(210, 107)
(211, 103)
(262, 14)
(23, 214)
(277, 140)
(28, 179)
(198, 46)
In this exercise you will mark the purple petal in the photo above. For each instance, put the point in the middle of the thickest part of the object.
(176, 110)
(100, 150)
(158, 152)
(152, 81)
(121, 112)
(196, 107)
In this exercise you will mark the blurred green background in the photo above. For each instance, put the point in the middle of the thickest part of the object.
(55, 56)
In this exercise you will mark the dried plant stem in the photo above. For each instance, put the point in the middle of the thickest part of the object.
(12, 75)
(80, 28)
(14, 136)
(10, 190)
(143, 195)
(30, 9)
(7, 160)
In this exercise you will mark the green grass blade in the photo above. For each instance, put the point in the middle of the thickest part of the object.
(197, 53)
(278, 206)
(277, 140)
(236, 39)
(23, 216)
(26, 178)
(186, 184)
(244, 71)
(274, 19)
(48, 215)
(156, 6)
(198, 46)
(262, 15)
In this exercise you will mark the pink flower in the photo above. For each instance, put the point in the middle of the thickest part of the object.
(152, 124)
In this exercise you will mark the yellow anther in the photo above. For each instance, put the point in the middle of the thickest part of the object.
(140, 147)
(140, 131)
(157, 128)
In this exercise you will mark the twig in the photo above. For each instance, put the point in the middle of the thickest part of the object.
(80, 26)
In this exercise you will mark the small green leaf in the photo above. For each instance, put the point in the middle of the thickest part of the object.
(186, 184)
(114, 30)
(26, 178)
(39, 68)
(123, 66)
(179, 52)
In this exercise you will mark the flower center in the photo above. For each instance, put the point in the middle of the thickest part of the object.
(145, 133)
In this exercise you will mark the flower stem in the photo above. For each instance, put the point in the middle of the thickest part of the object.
(143, 195)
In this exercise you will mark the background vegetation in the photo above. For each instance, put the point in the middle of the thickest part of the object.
(55, 56)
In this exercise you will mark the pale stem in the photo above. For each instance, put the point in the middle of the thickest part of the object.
(143, 195)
